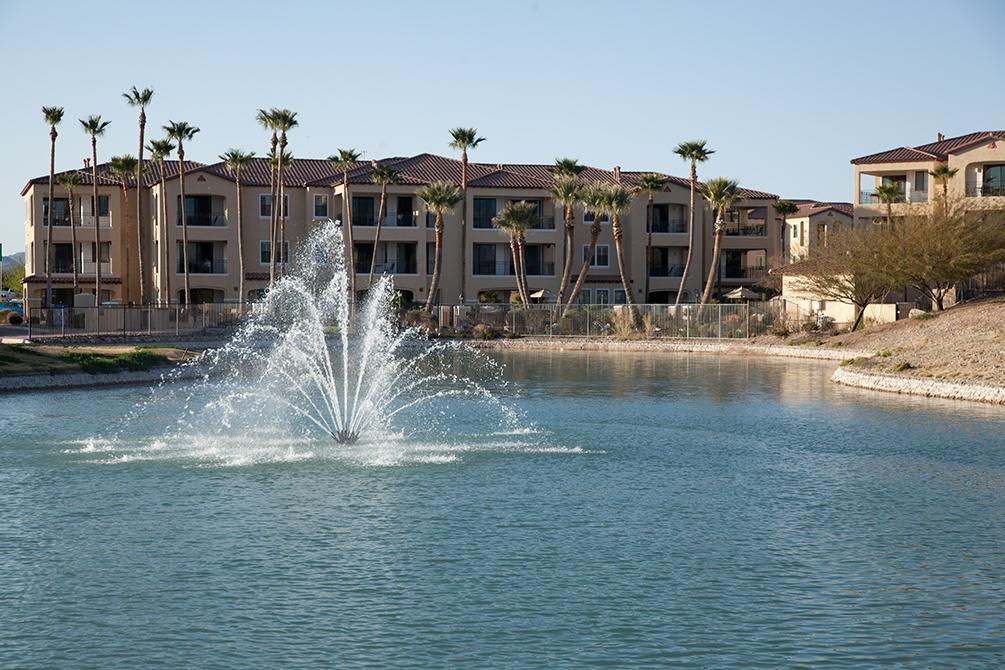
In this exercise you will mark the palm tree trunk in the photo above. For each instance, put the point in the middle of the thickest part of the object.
(570, 231)
(139, 211)
(240, 244)
(97, 221)
(464, 225)
(649, 245)
(350, 249)
(272, 217)
(594, 236)
(434, 281)
(713, 269)
(618, 234)
(376, 236)
(516, 267)
(73, 244)
(184, 224)
(165, 252)
(126, 256)
(690, 236)
(48, 234)
(282, 229)
(521, 244)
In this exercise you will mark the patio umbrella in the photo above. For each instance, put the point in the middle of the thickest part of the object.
(743, 293)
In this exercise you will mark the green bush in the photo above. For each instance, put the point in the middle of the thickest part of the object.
(132, 361)
(903, 365)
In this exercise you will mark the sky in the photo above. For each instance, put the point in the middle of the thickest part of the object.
(785, 92)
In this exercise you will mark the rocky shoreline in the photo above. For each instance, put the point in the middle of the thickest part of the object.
(71, 380)
(927, 387)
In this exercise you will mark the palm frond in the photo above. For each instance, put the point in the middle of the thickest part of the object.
(53, 115)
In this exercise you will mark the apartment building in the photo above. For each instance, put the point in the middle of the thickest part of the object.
(810, 226)
(978, 158)
(315, 192)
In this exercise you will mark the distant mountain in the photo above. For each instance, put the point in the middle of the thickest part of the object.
(14, 259)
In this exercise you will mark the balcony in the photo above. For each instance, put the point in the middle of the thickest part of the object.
(505, 268)
(88, 268)
(976, 189)
(670, 225)
(746, 229)
(204, 219)
(87, 221)
(387, 267)
(909, 195)
(743, 272)
(666, 271)
(204, 266)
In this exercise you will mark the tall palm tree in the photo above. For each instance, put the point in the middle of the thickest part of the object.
(566, 192)
(138, 98)
(285, 121)
(159, 151)
(722, 195)
(942, 174)
(70, 180)
(594, 199)
(514, 220)
(180, 132)
(464, 139)
(286, 158)
(95, 127)
(694, 152)
(52, 115)
(440, 197)
(889, 193)
(617, 201)
(649, 184)
(124, 167)
(235, 160)
(277, 253)
(566, 167)
(267, 119)
(785, 208)
(382, 175)
(344, 161)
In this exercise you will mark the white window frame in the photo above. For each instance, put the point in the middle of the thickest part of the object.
(604, 219)
(606, 292)
(314, 211)
(614, 296)
(585, 296)
(262, 246)
(286, 205)
(596, 250)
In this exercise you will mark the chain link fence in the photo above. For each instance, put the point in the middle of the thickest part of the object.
(132, 320)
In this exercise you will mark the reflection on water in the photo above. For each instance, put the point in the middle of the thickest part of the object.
(685, 511)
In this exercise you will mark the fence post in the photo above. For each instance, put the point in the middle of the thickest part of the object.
(176, 317)
(748, 320)
(719, 310)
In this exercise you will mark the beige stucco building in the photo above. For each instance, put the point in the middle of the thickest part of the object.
(315, 192)
(810, 226)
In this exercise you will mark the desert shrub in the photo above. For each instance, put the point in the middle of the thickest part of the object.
(808, 326)
(103, 363)
(903, 365)
(484, 331)
(779, 328)
(925, 316)
(850, 361)
(883, 354)
(420, 318)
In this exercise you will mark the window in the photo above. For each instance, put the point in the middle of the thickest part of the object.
(619, 296)
(603, 296)
(994, 180)
(102, 205)
(265, 205)
(588, 218)
(404, 216)
(320, 206)
(585, 297)
(60, 211)
(601, 255)
(362, 211)
(921, 181)
(430, 257)
(795, 231)
(485, 259)
(485, 211)
(265, 258)
(106, 252)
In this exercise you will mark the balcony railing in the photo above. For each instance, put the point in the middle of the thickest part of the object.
(88, 267)
(505, 268)
(670, 226)
(746, 229)
(870, 197)
(666, 271)
(209, 266)
(387, 267)
(204, 219)
(743, 272)
(976, 189)
(87, 221)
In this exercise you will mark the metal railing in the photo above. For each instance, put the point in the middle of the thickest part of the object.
(203, 219)
(87, 221)
(666, 271)
(670, 226)
(734, 229)
(721, 321)
(976, 189)
(213, 266)
(988, 282)
(387, 267)
(750, 272)
(132, 320)
(505, 269)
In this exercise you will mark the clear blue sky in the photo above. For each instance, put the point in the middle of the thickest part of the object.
(786, 92)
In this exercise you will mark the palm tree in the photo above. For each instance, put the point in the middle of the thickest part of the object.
(514, 220)
(69, 180)
(785, 208)
(344, 161)
(888, 192)
(124, 167)
(440, 197)
(235, 160)
(181, 131)
(95, 127)
(267, 119)
(159, 151)
(617, 201)
(52, 115)
(138, 98)
(285, 121)
(382, 175)
(464, 139)
(594, 199)
(286, 158)
(566, 192)
(694, 152)
(649, 184)
(942, 174)
(566, 167)
(722, 195)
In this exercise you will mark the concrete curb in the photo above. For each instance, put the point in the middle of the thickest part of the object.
(929, 388)
(26, 383)
(679, 346)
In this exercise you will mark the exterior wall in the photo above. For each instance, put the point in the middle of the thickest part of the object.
(803, 234)
(799, 300)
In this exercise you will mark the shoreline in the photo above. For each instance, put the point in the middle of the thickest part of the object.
(31, 383)
(926, 387)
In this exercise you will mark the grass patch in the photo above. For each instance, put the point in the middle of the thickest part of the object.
(884, 354)
(903, 365)
(927, 316)
(850, 361)
(133, 361)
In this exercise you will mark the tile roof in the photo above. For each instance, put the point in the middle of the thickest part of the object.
(934, 151)
(151, 174)
(812, 207)
(417, 170)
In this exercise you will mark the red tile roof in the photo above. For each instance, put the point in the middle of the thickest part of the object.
(151, 174)
(811, 208)
(935, 151)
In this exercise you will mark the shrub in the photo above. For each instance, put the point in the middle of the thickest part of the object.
(808, 326)
(883, 354)
(779, 328)
(903, 365)
(484, 331)
(15, 319)
(850, 361)
(925, 316)
(420, 318)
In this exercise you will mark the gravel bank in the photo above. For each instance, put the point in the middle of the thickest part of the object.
(930, 388)
(48, 382)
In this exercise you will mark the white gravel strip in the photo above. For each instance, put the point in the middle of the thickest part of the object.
(47, 382)
(930, 388)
